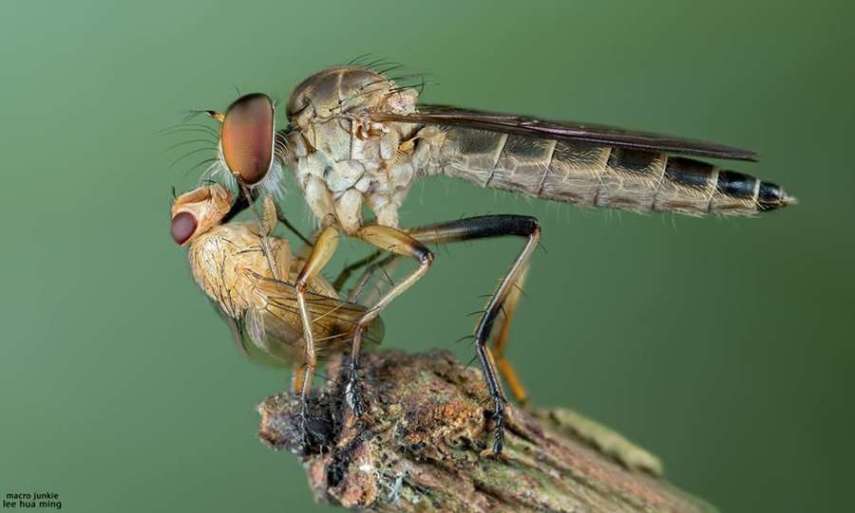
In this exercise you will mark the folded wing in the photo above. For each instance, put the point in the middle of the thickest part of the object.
(563, 130)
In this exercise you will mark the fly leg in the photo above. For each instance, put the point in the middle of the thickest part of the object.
(358, 293)
(400, 243)
(266, 222)
(301, 386)
(370, 266)
(240, 204)
(502, 302)
(291, 228)
(298, 379)
(278, 259)
(348, 270)
(500, 341)
(319, 256)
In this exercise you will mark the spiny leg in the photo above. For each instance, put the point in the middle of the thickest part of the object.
(503, 301)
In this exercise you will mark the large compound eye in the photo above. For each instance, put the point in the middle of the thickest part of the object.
(183, 226)
(247, 137)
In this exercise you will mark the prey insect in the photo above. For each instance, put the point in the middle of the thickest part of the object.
(357, 140)
(228, 263)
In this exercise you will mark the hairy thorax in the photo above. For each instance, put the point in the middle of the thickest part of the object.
(341, 158)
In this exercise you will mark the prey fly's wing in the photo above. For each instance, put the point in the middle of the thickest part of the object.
(333, 320)
(602, 135)
(235, 328)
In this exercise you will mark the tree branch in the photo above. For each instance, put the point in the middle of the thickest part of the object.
(419, 446)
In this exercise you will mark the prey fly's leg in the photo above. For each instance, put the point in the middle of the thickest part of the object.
(502, 303)
(399, 243)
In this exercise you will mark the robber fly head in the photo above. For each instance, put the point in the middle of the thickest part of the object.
(247, 137)
(197, 211)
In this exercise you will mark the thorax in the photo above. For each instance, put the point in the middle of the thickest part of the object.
(224, 259)
(342, 159)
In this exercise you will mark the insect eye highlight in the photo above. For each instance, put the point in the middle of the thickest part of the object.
(184, 225)
(247, 137)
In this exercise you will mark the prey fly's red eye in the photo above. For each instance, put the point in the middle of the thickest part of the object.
(183, 226)
(247, 137)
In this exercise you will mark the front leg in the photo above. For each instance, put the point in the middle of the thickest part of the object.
(298, 387)
(318, 258)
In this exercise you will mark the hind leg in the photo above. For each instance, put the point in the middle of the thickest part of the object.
(500, 341)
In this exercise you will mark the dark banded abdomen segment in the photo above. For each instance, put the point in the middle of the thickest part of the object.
(601, 176)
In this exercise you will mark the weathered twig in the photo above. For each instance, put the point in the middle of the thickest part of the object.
(419, 446)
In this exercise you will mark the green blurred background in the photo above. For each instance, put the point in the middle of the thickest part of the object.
(723, 345)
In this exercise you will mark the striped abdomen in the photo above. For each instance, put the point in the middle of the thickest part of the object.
(601, 176)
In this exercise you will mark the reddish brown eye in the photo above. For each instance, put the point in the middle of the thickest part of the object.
(247, 137)
(183, 226)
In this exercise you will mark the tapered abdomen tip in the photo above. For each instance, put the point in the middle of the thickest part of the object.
(772, 196)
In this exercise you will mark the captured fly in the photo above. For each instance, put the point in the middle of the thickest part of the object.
(229, 265)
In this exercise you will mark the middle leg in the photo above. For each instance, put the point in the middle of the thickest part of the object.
(319, 256)
(398, 243)
(502, 303)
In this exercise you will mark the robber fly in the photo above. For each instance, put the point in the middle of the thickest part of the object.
(229, 265)
(356, 138)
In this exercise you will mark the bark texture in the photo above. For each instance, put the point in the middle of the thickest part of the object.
(421, 447)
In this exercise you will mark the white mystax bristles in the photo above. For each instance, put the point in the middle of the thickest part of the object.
(273, 182)
(217, 172)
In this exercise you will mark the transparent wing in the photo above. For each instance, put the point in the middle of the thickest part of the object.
(564, 130)
(333, 320)
(234, 328)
